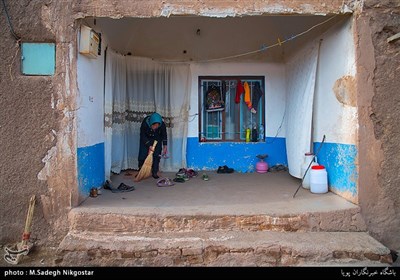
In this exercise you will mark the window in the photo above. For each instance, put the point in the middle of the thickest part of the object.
(231, 108)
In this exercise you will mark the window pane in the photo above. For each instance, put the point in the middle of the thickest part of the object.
(213, 125)
(231, 114)
(250, 119)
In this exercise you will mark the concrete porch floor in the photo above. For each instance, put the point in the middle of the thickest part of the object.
(232, 194)
(239, 219)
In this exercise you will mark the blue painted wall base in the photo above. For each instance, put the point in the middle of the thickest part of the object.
(340, 163)
(238, 155)
(90, 168)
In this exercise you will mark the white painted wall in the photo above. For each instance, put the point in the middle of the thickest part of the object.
(274, 90)
(337, 121)
(90, 103)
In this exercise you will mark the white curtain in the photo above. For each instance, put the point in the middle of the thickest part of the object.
(136, 87)
(300, 78)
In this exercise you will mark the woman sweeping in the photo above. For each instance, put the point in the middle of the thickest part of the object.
(152, 128)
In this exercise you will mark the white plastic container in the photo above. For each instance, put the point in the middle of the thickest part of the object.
(308, 157)
(318, 179)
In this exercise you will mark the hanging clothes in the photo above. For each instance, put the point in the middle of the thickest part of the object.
(247, 97)
(257, 93)
(239, 91)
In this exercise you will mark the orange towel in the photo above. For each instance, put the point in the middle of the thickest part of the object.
(247, 94)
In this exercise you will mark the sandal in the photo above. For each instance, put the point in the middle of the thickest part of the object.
(165, 182)
(205, 177)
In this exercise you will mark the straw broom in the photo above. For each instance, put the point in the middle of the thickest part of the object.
(22, 248)
(145, 171)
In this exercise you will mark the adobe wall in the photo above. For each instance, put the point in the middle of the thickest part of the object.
(378, 83)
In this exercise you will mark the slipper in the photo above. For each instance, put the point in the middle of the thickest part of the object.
(165, 182)
(123, 188)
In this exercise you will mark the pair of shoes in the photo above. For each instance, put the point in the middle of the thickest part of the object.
(205, 177)
(277, 168)
(225, 169)
(165, 182)
(190, 173)
(123, 188)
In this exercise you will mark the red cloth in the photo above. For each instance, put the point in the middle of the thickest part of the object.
(239, 91)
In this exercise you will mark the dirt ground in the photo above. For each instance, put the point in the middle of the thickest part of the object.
(37, 257)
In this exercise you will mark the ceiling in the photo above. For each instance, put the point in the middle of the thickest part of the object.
(191, 38)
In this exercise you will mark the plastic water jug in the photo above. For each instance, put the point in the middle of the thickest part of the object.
(318, 179)
(308, 157)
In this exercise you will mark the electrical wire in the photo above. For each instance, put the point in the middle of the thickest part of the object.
(271, 46)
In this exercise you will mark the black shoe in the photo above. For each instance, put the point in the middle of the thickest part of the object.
(155, 176)
(107, 185)
(227, 169)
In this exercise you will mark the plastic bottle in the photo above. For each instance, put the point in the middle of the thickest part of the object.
(261, 134)
(254, 134)
(248, 132)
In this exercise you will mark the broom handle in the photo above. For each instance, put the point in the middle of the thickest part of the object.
(154, 146)
(28, 223)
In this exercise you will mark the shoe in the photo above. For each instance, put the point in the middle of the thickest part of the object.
(179, 180)
(155, 176)
(107, 185)
(225, 169)
(205, 177)
(123, 188)
(228, 169)
(191, 173)
(181, 172)
(221, 169)
(184, 176)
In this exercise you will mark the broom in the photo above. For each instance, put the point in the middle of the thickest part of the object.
(145, 171)
(13, 256)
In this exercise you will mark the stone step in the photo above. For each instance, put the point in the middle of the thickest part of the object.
(96, 220)
(222, 248)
